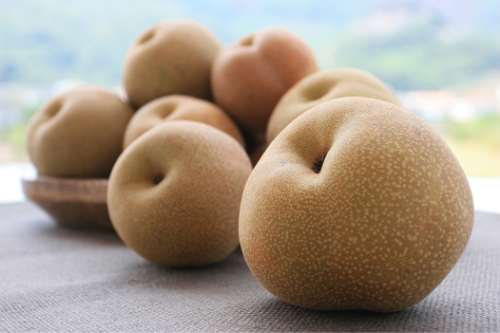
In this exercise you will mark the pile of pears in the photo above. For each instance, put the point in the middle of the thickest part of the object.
(339, 197)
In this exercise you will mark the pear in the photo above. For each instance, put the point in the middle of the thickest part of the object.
(78, 134)
(250, 76)
(357, 204)
(174, 194)
(323, 86)
(171, 57)
(179, 107)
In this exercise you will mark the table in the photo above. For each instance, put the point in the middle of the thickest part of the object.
(56, 279)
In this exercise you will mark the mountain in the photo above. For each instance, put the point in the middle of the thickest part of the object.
(411, 44)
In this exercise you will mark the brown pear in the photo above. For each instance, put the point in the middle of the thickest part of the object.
(323, 86)
(357, 204)
(78, 134)
(249, 77)
(178, 107)
(171, 57)
(174, 194)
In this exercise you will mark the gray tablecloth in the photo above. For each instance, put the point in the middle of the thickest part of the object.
(55, 279)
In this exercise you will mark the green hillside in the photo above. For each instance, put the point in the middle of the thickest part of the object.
(42, 41)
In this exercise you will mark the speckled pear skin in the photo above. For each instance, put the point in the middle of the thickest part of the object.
(78, 134)
(323, 86)
(171, 57)
(378, 228)
(190, 217)
(179, 107)
(250, 76)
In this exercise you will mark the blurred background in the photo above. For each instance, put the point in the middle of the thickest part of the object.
(441, 57)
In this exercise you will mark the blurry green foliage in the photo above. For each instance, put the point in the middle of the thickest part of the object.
(42, 41)
(475, 143)
(422, 57)
(14, 135)
(485, 129)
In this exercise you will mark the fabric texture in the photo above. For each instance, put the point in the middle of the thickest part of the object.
(55, 279)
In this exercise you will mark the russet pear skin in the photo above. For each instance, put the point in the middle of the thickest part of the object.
(250, 76)
(78, 134)
(171, 57)
(357, 204)
(323, 86)
(174, 194)
(179, 107)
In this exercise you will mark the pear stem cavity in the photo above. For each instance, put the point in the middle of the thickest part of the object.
(158, 178)
(146, 37)
(318, 164)
(247, 41)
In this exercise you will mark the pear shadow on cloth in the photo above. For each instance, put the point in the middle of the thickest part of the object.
(57, 233)
(228, 272)
(444, 310)
(273, 314)
(227, 294)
